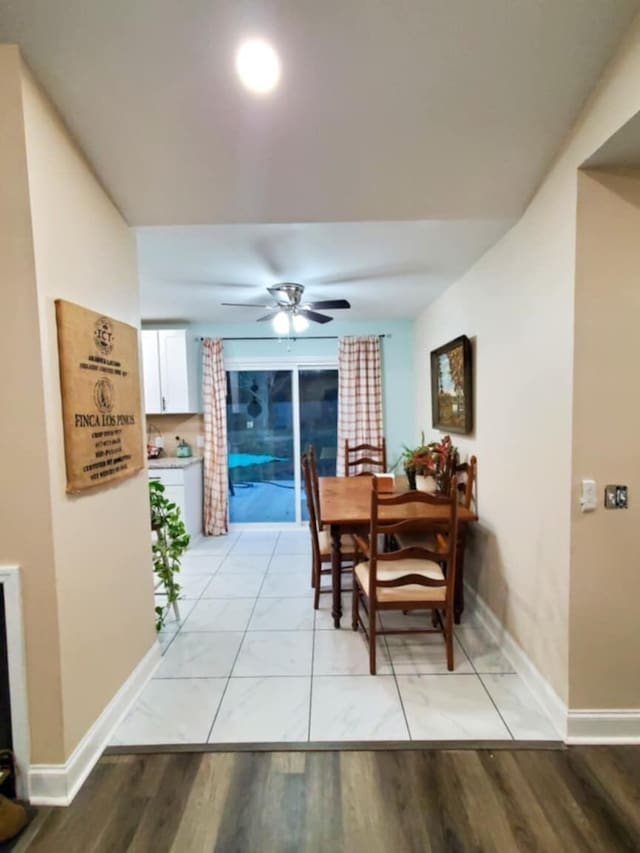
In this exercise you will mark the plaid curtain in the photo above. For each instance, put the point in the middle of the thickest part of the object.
(359, 394)
(216, 474)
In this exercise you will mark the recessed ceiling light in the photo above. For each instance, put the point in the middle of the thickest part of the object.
(258, 66)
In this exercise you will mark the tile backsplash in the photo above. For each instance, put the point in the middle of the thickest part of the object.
(188, 427)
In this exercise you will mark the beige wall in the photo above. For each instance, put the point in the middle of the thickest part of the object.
(86, 560)
(85, 253)
(26, 534)
(517, 303)
(604, 654)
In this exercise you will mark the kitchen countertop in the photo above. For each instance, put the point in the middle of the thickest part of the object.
(174, 461)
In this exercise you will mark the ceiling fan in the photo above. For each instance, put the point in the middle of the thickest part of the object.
(289, 312)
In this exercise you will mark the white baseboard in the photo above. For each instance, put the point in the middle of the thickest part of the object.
(57, 784)
(551, 703)
(575, 726)
(604, 726)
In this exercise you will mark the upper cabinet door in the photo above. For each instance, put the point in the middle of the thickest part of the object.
(174, 370)
(170, 372)
(151, 373)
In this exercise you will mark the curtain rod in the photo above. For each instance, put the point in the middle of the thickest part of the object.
(305, 338)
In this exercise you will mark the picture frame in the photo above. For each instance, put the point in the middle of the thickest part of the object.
(452, 386)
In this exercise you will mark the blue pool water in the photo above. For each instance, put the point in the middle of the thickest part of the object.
(243, 460)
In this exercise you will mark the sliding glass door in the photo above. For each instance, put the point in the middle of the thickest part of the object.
(272, 416)
(318, 416)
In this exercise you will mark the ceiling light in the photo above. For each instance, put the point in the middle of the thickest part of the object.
(281, 323)
(258, 66)
(300, 323)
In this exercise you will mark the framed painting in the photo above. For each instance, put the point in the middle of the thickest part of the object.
(451, 386)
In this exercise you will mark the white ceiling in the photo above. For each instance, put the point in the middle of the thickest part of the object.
(444, 111)
(620, 151)
(385, 269)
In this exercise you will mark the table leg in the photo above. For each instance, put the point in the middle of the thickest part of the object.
(458, 602)
(336, 575)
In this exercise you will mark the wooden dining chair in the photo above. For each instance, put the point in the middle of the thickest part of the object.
(466, 476)
(371, 457)
(417, 577)
(321, 540)
(313, 469)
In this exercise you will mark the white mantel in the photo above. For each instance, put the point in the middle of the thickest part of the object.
(10, 580)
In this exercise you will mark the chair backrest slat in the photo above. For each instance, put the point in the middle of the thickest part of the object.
(370, 456)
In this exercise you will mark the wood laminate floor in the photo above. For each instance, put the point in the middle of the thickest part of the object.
(579, 799)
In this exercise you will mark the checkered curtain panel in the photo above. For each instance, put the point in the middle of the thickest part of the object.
(216, 474)
(359, 394)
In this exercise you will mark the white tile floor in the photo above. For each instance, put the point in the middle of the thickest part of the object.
(250, 661)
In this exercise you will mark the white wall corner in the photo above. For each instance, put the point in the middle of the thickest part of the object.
(545, 694)
(610, 725)
(57, 784)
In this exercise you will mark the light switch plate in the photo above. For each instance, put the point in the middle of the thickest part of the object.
(588, 496)
(159, 441)
(200, 441)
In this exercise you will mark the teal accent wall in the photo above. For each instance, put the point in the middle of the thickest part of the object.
(397, 362)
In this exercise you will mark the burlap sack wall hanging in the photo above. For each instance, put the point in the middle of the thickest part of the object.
(100, 384)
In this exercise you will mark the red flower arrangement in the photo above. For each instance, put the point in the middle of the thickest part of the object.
(437, 459)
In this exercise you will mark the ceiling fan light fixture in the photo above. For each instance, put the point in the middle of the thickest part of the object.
(281, 323)
(300, 323)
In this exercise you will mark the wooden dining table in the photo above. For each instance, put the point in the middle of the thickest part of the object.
(345, 507)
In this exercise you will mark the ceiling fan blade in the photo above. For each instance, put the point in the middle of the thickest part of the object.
(263, 319)
(245, 305)
(329, 303)
(314, 316)
(198, 282)
(265, 251)
(369, 275)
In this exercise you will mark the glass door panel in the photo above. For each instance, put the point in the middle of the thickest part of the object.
(318, 414)
(260, 436)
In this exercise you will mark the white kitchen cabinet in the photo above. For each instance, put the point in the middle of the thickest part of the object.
(170, 370)
(183, 486)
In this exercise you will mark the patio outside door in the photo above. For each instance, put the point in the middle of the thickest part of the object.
(271, 415)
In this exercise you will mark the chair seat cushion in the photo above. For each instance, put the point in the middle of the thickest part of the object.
(347, 548)
(407, 592)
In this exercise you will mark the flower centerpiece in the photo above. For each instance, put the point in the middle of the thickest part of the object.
(437, 460)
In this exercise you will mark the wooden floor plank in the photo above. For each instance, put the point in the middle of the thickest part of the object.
(158, 824)
(200, 823)
(556, 800)
(398, 801)
(323, 803)
(401, 806)
(483, 805)
(240, 832)
(362, 823)
(616, 781)
(526, 818)
(601, 806)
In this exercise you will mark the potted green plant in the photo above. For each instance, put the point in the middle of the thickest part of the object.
(436, 460)
(170, 541)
